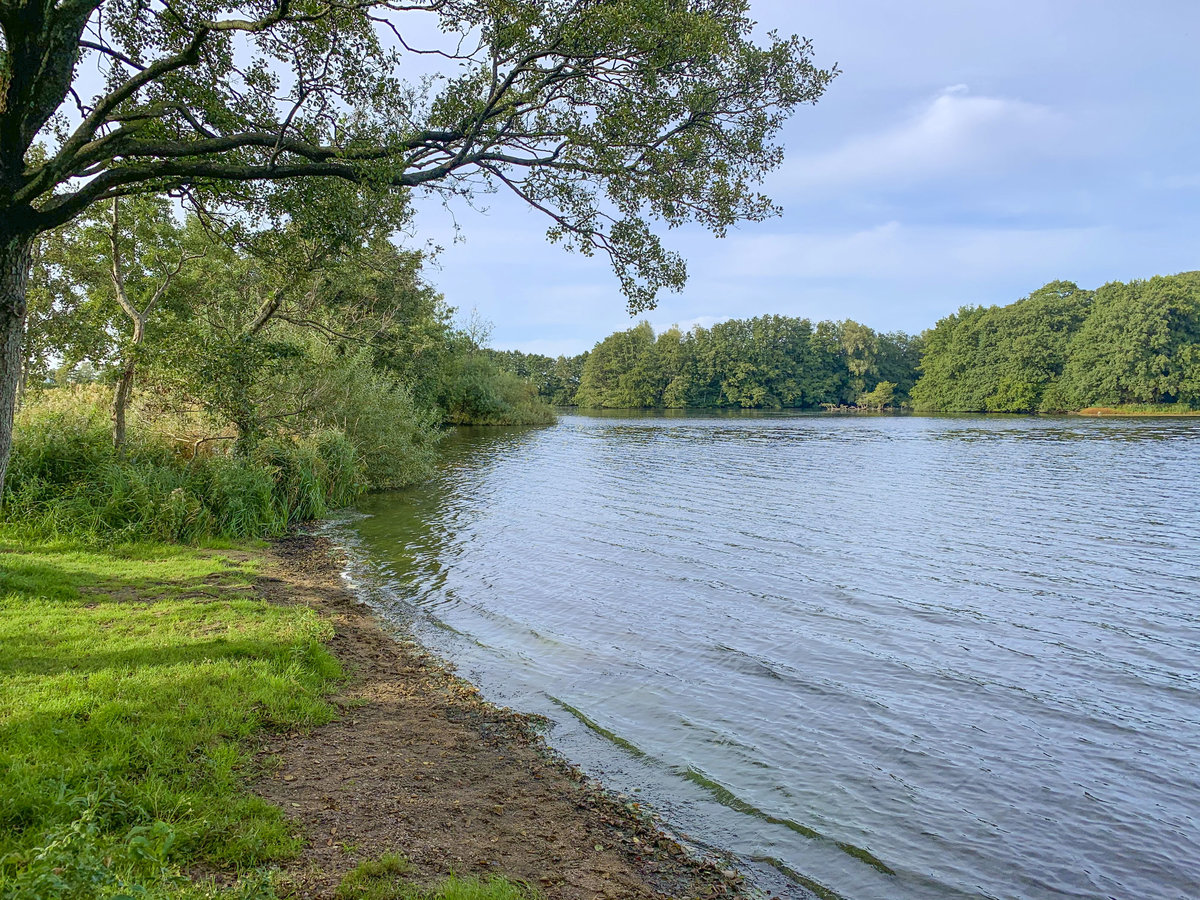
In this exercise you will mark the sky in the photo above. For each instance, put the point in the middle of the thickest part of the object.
(968, 153)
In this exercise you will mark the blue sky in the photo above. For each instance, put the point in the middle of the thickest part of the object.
(969, 153)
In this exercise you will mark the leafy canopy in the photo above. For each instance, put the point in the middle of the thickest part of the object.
(603, 114)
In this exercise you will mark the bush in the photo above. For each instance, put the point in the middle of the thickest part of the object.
(881, 398)
(66, 478)
(393, 441)
(476, 392)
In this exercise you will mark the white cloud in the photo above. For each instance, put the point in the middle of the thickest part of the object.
(896, 251)
(956, 133)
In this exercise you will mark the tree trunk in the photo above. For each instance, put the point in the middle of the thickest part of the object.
(120, 402)
(16, 257)
(125, 385)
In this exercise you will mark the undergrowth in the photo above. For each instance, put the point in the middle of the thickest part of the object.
(1143, 409)
(66, 479)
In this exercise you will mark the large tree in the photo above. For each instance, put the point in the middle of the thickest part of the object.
(602, 114)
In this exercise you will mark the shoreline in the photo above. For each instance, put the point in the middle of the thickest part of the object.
(418, 763)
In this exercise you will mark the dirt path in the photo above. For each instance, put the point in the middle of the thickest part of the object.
(417, 763)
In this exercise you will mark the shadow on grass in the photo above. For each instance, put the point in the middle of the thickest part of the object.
(145, 671)
(28, 654)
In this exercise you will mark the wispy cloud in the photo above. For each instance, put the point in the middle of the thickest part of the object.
(955, 133)
(896, 251)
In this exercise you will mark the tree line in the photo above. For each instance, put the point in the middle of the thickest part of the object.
(1063, 348)
(1059, 349)
(761, 363)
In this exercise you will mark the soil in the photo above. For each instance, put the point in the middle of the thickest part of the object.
(417, 763)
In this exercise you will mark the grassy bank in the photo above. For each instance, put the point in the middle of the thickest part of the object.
(133, 685)
(1141, 409)
(132, 681)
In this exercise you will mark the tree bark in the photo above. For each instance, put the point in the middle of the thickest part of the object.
(125, 385)
(16, 257)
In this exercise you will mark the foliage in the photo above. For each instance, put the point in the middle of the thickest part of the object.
(556, 380)
(623, 371)
(329, 369)
(596, 114)
(882, 397)
(376, 879)
(1141, 344)
(768, 362)
(474, 390)
(393, 439)
(1142, 409)
(130, 683)
(1063, 348)
(68, 479)
(269, 347)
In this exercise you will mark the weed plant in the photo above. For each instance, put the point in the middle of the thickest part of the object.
(379, 879)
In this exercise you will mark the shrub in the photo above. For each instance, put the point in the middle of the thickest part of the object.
(66, 478)
(393, 442)
(476, 392)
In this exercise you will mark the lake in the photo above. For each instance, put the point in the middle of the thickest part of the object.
(882, 657)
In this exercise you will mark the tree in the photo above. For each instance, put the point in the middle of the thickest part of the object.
(1064, 348)
(860, 346)
(97, 283)
(881, 397)
(138, 305)
(1002, 358)
(256, 296)
(599, 113)
(1138, 345)
(622, 371)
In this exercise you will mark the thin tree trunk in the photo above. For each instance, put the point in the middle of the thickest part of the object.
(26, 365)
(121, 403)
(16, 257)
(125, 382)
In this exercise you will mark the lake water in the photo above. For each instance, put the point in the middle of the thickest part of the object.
(883, 657)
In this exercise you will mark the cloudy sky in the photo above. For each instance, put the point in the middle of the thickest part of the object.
(969, 153)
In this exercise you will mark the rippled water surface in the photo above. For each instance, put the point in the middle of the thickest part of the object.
(882, 657)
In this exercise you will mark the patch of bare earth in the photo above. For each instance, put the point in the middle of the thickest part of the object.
(418, 764)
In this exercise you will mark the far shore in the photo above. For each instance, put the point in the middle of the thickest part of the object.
(1165, 411)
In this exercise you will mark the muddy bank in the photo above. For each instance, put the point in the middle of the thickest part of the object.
(419, 764)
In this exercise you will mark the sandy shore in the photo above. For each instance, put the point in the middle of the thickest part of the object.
(418, 763)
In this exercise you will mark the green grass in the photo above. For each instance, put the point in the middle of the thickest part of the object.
(1142, 409)
(130, 680)
(379, 880)
(66, 480)
(375, 879)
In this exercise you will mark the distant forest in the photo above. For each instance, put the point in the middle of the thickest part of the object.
(1060, 349)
